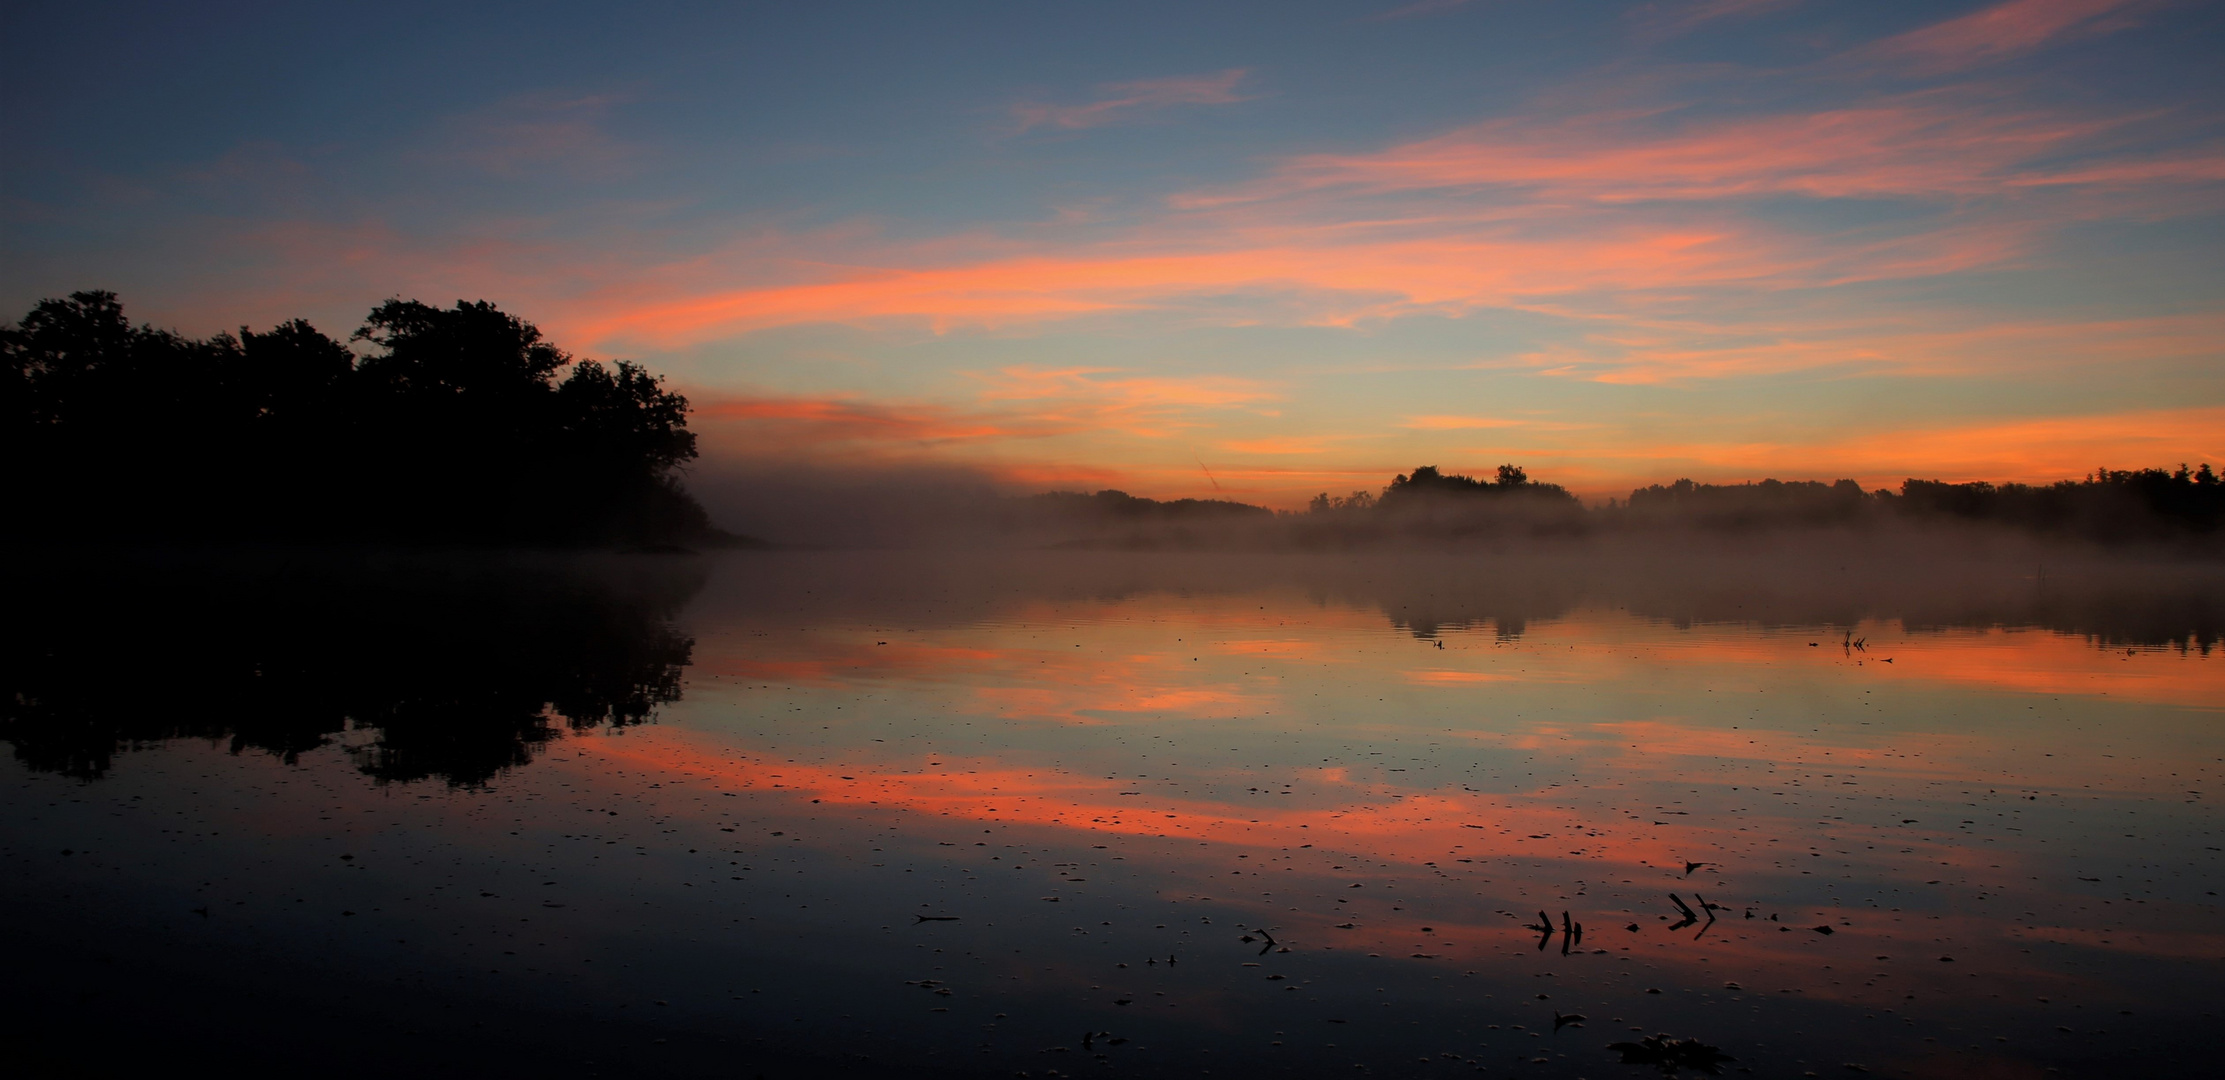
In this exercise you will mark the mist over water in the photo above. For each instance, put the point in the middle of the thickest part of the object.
(685, 815)
(1373, 538)
(834, 504)
(800, 503)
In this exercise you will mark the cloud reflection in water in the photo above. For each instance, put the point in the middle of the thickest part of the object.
(1093, 761)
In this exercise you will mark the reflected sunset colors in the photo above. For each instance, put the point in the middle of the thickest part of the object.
(1314, 538)
(1167, 814)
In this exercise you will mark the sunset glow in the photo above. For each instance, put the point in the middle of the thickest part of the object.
(1618, 243)
(969, 539)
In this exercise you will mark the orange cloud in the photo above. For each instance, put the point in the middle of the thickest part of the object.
(2028, 450)
(1335, 280)
(1627, 226)
(988, 296)
(1306, 243)
(1504, 215)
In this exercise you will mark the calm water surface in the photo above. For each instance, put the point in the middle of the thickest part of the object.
(1103, 814)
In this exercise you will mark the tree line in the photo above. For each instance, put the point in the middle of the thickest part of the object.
(2107, 504)
(446, 426)
(1427, 486)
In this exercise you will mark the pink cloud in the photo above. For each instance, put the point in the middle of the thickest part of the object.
(1608, 274)
(1690, 351)
(1122, 100)
(1305, 260)
(1330, 275)
(1999, 32)
(1530, 213)
(1011, 404)
(1925, 146)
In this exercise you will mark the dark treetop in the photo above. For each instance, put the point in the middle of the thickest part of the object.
(452, 426)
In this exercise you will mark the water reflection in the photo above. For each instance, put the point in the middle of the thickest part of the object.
(454, 668)
(1071, 814)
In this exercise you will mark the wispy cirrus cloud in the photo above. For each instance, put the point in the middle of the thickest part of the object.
(1922, 145)
(2000, 32)
(1518, 214)
(1325, 275)
(1768, 209)
(1960, 345)
(1122, 101)
(1668, 20)
(1638, 222)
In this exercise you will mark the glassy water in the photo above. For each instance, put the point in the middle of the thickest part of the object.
(1818, 810)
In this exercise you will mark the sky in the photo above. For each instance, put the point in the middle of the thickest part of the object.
(1238, 250)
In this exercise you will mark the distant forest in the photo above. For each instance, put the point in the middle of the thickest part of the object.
(2108, 504)
(454, 426)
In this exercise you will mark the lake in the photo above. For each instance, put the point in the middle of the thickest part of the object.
(1822, 806)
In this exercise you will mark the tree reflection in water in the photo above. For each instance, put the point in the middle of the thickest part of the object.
(456, 668)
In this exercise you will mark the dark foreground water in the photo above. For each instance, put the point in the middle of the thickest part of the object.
(1821, 809)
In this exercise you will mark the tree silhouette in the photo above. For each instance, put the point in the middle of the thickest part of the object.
(2109, 504)
(1764, 504)
(1427, 484)
(451, 666)
(454, 427)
